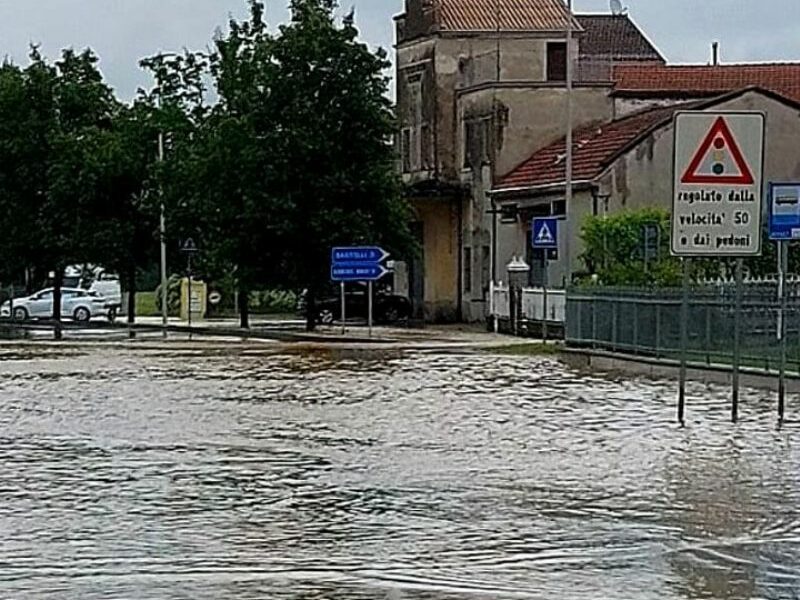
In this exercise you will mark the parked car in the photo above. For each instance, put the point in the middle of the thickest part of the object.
(77, 304)
(388, 307)
(94, 278)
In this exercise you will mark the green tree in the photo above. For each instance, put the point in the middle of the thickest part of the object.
(614, 249)
(614, 253)
(336, 164)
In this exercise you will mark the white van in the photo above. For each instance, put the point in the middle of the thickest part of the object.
(97, 279)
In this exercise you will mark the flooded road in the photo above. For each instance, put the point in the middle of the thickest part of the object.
(165, 474)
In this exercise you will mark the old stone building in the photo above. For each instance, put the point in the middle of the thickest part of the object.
(626, 164)
(481, 85)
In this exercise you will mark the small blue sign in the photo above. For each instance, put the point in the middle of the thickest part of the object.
(784, 211)
(358, 272)
(359, 263)
(358, 254)
(544, 234)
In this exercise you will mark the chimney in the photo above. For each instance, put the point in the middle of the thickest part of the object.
(715, 54)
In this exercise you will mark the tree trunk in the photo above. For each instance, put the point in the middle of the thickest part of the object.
(57, 282)
(244, 306)
(131, 285)
(311, 310)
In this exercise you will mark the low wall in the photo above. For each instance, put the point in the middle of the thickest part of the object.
(608, 362)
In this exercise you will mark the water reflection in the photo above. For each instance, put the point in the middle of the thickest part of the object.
(244, 474)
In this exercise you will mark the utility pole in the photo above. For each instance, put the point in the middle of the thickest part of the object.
(162, 230)
(569, 157)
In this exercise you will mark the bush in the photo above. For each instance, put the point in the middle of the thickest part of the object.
(615, 249)
(273, 301)
(173, 295)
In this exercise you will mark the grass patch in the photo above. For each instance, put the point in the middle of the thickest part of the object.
(146, 305)
(533, 349)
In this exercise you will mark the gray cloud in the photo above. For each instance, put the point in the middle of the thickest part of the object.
(123, 31)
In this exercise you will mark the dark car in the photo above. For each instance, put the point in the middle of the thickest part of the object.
(388, 307)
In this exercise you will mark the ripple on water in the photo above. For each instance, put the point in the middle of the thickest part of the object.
(399, 476)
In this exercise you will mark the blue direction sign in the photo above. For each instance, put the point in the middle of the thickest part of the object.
(544, 234)
(360, 263)
(357, 272)
(358, 254)
(784, 211)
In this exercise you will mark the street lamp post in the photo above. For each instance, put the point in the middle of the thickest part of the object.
(162, 231)
(569, 156)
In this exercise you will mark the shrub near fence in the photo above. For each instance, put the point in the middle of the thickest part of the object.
(648, 322)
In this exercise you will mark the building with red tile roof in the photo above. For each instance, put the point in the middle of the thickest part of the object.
(626, 164)
(691, 81)
(594, 148)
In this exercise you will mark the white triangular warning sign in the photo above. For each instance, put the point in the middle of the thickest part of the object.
(545, 236)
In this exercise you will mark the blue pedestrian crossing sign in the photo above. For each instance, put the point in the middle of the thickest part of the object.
(544, 234)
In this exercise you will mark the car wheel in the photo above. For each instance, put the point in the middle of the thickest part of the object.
(20, 314)
(326, 317)
(82, 315)
(391, 315)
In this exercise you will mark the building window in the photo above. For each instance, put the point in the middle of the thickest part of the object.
(469, 134)
(425, 143)
(476, 142)
(405, 149)
(559, 208)
(467, 270)
(556, 61)
(486, 269)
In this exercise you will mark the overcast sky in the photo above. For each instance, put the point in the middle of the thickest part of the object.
(123, 31)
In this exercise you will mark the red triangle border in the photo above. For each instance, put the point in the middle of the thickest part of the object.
(720, 127)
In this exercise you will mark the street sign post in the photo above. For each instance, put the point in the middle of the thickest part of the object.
(784, 211)
(189, 249)
(717, 205)
(544, 237)
(358, 263)
(784, 226)
(717, 202)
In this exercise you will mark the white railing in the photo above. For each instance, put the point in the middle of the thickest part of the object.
(533, 301)
(532, 304)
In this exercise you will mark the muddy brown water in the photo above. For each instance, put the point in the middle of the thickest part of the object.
(134, 473)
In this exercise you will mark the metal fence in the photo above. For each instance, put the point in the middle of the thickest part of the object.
(647, 322)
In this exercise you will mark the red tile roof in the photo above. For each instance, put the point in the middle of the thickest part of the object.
(689, 80)
(615, 37)
(594, 148)
(514, 15)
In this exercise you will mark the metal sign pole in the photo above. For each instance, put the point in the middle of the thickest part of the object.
(369, 302)
(11, 305)
(737, 339)
(544, 296)
(344, 313)
(189, 299)
(783, 256)
(684, 342)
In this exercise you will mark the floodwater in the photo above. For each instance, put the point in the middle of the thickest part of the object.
(167, 474)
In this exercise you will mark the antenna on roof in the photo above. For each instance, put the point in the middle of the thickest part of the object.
(617, 9)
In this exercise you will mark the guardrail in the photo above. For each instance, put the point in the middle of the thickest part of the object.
(647, 322)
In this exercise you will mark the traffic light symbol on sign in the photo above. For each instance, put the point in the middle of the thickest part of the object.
(719, 160)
